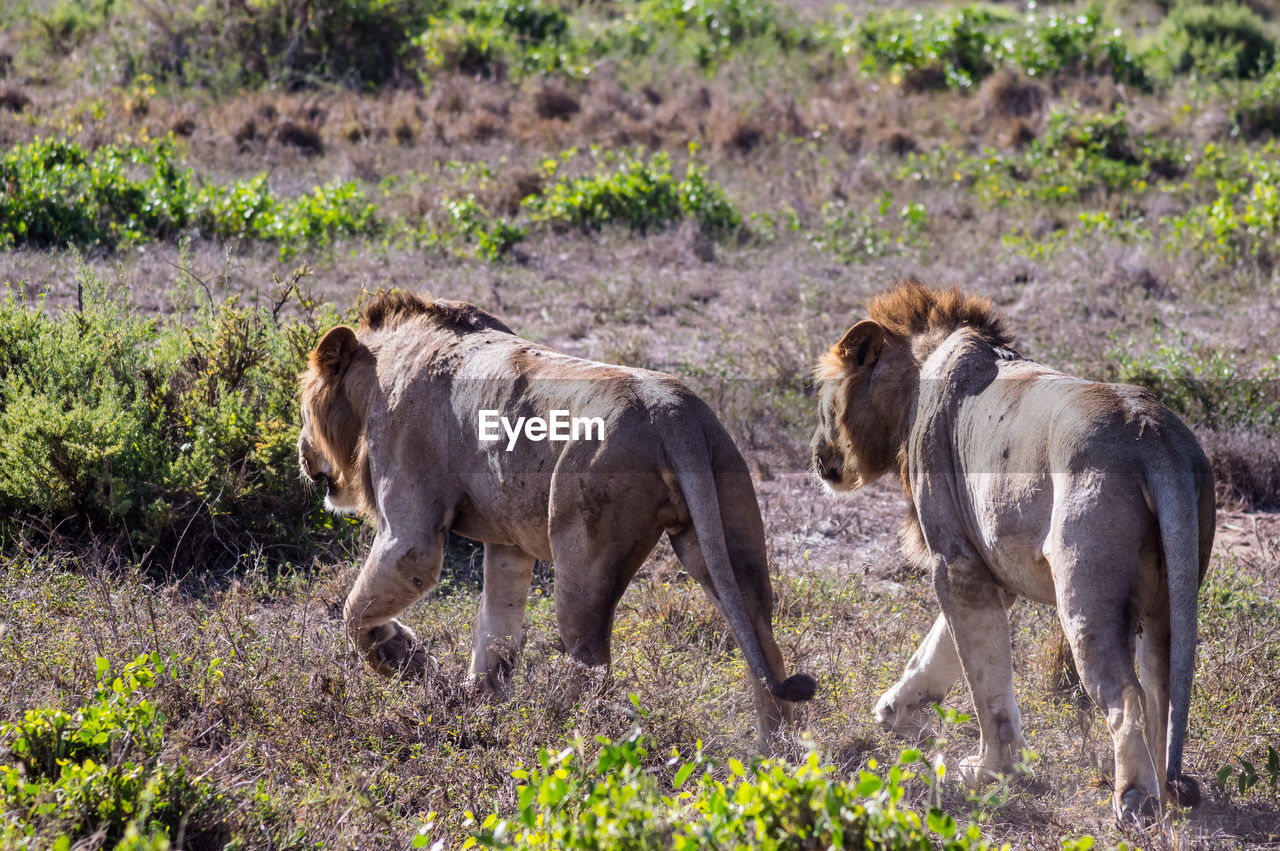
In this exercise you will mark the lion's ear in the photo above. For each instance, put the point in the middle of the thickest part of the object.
(860, 346)
(335, 351)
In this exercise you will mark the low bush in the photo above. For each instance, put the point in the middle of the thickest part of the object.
(708, 31)
(1256, 107)
(1235, 412)
(56, 194)
(853, 234)
(489, 37)
(291, 43)
(59, 194)
(1206, 387)
(958, 48)
(176, 440)
(94, 774)
(627, 189)
(1218, 40)
(1242, 221)
(619, 799)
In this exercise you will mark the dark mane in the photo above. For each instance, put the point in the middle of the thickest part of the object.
(911, 309)
(386, 311)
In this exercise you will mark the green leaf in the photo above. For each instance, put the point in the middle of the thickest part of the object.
(942, 823)
(682, 775)
(1224, 775)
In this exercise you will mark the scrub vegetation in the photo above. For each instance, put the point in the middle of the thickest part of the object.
(192, 192)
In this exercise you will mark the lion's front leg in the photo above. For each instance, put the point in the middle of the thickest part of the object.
(500, 621)
(398, 571)
(975, 611)
(906, 709)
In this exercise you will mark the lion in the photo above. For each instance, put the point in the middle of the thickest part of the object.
(1026, 482)
(392, 426)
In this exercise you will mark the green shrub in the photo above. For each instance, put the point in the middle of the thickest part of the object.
(626, 189)
(182, 437)
(1243, 219)
(488, 37)
(1206, 387)
(96, 772)
(69, 23)
(708, 31)
(1065, 43)
(1217, 40)
(56, 194)
(959, 45)
(490, 236)
(1256, 107)
(853, 233)
(284, 42)
(618, 800)
(959, 48)
(491, 37)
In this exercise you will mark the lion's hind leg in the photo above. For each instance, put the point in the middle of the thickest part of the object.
(1101, 639)
(397, 572)
(1153, 672)
(500, 621)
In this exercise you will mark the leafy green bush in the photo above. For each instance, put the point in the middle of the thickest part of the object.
(852, 233)
(1206, 387)
(487, 37)
(1243, 220)
(1256, 107)
(58, 194)
(491, 37)
(247, 208)
(1066, 43)
(707, 30)
(963, 46)
(617, 800)
(1217, 40)
(625, 189)
(69, 23)
(284, 42)
(95, 772)
(959, 45)
(180, 437)
(491, 236)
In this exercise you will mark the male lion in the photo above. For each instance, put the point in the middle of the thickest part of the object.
(391, 425)
(1025, 481)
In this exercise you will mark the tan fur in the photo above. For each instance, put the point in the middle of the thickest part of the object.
(390, 424)
(1027, 482)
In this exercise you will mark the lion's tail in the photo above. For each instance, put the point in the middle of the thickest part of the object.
(1178, 499)
(698, 485)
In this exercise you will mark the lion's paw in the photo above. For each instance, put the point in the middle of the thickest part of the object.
(976, 772)
(1135, 806)
(394, 651)
(913, 722)
(492, 685)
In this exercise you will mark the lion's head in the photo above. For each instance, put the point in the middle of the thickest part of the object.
(331, 442)
(868, 381)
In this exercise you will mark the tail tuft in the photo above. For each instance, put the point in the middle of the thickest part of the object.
(795, 688)
(1184, 791)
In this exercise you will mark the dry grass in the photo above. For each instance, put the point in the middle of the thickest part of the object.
(310, 746)
(306, 741)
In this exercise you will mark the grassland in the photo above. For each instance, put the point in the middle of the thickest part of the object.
(191, 192)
